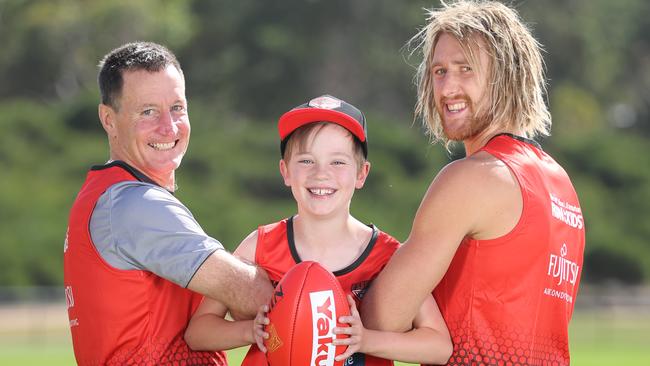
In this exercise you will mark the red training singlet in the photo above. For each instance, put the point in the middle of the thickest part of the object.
(122, 317)
(276, 253)
(509, 300)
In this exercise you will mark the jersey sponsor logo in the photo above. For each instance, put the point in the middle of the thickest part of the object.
(69, 298)
(65, 242)
(562, 295)
(357, 359)
(69, 303)
(323, 315)
(562, 270)
(359, 289)
(566, 212)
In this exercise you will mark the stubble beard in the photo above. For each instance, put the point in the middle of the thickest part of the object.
(470, 126)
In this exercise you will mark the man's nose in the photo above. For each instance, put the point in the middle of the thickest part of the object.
(166, 124)
(449, 85)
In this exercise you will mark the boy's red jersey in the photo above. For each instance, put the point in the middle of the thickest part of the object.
(276, 253)
(509, 300)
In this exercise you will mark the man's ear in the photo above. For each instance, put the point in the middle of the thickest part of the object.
(362, 175)
(107, 118)
(284, 170)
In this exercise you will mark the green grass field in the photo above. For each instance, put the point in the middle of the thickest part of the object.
(597, 338)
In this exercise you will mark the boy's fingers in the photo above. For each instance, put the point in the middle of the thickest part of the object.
(346, 319)
(353, 305)
(261, 333)
(343, 330)
(260, 345)
(348, 352)
(344, 341)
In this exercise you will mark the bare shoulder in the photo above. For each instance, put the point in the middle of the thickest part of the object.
(494, 190)
(478, 173)
(246, 249)
(477, 185)
(493, 174)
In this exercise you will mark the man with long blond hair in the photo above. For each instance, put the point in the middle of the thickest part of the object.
(499, 235)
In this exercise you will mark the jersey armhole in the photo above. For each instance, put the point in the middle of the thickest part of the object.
(260, 241)
(522, 215)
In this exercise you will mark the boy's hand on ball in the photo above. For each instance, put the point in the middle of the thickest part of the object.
(355, 331)
(259, 323)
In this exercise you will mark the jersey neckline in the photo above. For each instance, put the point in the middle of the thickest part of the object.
(518, 138)
(131, 170)
(351, 267)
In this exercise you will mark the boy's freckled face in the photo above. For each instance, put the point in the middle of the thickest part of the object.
(324, 176)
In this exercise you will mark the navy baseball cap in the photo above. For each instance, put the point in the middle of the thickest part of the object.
(325, 108)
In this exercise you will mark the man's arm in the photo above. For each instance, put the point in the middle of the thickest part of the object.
(208, 329)
(470, 197)
(157, 233)
(418, 265)
(240, 286)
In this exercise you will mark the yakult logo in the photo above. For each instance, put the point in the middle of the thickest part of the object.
(563, 269)
(323, 315)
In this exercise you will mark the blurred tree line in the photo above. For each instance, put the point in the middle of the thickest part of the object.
(246, 62)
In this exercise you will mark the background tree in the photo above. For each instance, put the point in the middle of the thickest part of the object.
(247, 62)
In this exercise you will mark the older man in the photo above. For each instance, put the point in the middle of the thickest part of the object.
(136, 261)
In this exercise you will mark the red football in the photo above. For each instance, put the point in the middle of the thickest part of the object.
(306, 306)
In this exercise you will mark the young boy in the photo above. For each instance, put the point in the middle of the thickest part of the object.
(324, 150)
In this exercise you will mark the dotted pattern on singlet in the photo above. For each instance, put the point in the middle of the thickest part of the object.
(505, 346)
(176, 353)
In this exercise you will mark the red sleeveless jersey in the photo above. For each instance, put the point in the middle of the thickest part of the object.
(276, 253)
(509, 300)
(122, 317)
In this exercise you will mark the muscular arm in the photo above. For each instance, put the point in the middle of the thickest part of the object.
(474, 197)
(208, 329)
(240, 286)
(140, 226)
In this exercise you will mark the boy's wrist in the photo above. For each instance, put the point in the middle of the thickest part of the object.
(368, 344)
(249, 331)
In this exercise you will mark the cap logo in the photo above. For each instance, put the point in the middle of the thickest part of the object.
(325, 102)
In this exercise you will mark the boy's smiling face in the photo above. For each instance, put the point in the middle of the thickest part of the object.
(323, 172)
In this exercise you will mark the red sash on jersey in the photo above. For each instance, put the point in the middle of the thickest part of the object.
(509, 300)
(122, 317)
(277, 255)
